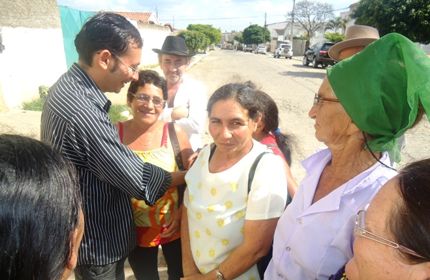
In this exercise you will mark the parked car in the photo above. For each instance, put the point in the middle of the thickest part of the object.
(284, 50)
(261, 49)
(318, 55)
(248, 48)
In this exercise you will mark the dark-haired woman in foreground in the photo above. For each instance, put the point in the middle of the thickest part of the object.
(41, 221)
(392, 237)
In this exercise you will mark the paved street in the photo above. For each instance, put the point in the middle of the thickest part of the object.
(293, 87)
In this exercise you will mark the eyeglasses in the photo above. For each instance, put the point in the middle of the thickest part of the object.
(359, 229)
(131, 69)
(318, 99)
(144, 98)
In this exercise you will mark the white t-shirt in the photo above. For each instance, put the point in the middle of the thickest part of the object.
(218, 204)
(192, 95)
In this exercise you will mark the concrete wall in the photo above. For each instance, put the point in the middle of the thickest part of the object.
(32, 57)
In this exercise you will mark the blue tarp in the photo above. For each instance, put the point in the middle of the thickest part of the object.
(71, 22)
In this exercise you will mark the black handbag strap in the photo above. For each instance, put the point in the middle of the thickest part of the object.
(253, 168)
(175, 145)
(177, 150)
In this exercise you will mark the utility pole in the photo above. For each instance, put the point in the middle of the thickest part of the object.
(292, 21)
(265, 20)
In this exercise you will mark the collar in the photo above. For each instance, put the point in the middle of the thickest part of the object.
(93, 93)
(314, 165)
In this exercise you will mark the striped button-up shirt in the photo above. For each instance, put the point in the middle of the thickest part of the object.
(75, 121)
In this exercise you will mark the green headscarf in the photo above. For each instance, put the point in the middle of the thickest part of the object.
(382, 87)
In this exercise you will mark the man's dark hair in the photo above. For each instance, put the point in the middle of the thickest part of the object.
(39, 209)
(106, 31)
(147, 77)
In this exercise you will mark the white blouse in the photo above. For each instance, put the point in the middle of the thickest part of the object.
(218, 204)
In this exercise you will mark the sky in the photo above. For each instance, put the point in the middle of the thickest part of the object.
(227, 15)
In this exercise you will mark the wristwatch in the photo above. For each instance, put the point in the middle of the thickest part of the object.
(219, 275)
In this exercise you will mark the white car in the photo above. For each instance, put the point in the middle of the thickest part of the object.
(283, 50)
(261, 50)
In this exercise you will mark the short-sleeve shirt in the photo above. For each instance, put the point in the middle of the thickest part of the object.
(218, 204)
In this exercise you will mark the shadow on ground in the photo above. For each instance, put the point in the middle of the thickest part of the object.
(302, 74)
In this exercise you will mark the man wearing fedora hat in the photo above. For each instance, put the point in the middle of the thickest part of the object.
(187, 98)
(357, 37)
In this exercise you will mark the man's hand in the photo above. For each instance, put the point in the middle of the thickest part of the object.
(178, 178)
(179, 113)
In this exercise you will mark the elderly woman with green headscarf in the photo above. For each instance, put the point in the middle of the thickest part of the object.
(366, 102)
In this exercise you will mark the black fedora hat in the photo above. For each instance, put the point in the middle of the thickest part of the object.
(174, 45)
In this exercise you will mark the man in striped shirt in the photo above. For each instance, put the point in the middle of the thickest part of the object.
(75, 121)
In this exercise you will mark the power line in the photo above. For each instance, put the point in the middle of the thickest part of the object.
(238, 17)
(220, 18)
(233, 18)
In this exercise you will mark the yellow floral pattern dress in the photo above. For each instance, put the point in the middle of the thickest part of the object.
(149, 220)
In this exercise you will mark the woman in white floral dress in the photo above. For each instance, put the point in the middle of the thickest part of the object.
(227, 228)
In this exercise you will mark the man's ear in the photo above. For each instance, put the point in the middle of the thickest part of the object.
(259, 122)
(103, 58)
(75, 242)
(74, 249)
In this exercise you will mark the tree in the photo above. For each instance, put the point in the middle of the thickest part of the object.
(410, 18)
(213, 34)
(239, 37)
(195, 40)
(336, 24)
(334, 37)
(255, 34)
(312, 16)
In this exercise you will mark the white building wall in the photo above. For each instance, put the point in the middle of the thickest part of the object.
(31, 58)
(153, 38)
(35, 57)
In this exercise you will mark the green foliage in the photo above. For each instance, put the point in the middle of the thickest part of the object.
(312, 16)
(410, 18)
(334, 37)
(115, 113)
(239, 37)
(255, 34)
(336, 24)
(213, 34)
(195, 40)
(37, 104)
(34, 105)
